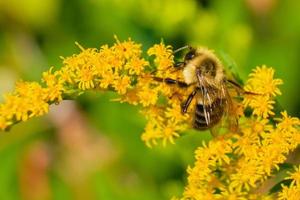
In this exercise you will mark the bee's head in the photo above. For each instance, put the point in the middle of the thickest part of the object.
(204, 60)
(208, 67)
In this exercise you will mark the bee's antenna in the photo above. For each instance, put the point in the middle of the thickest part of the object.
(182, 48)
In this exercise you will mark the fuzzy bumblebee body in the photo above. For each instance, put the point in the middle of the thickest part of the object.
(208, 65)
(214, 114)
(204, 71)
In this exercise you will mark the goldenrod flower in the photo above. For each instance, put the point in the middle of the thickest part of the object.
(49, 78)
(151, 134)
(295, 176)
(54, 83)
(163, 59)
(170, 132)
(231, 194)
(85, 77)
(255, 151)
(4, 123)
(146, 98)
(287, 123)
(28, 100)
(247, 175)
(259, 196)
(199, 194)
(262, 106)
(106, 79)
(289, 193)
(262, 83)
(230, 166)
(121, 84)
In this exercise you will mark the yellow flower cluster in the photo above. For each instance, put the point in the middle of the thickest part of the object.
(261, 82)
(112, 68)
(293, 191)
(231, 166)
(120, 68)
(165, 120)
(234, 165)
(29, 99)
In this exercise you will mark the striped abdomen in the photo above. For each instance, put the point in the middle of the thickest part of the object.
(214, 113)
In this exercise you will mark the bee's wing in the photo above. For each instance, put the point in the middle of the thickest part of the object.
(231, 68)
(207, 97)
(230, 112)
(217, 98)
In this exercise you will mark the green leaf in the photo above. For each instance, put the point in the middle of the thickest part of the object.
(278, 186)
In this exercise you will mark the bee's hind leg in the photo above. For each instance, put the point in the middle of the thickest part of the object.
(214, 131)
(218, 130)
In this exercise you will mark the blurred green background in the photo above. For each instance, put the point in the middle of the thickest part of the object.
(91, 148)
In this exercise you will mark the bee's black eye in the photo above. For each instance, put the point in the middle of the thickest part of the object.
(190, 55)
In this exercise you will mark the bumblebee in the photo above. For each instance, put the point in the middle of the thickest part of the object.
(203, 70)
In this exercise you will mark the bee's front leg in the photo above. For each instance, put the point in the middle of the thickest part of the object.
(188, 101)
(178, 65)
(171, 81)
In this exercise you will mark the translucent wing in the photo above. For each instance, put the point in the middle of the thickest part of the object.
(231, 68)
(212, 100)
(206, 99)
(230, 112)
(217, 104)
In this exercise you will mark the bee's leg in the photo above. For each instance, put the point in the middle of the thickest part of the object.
(214, 131)
(239, 88)
(233, 124)
(179, 65)
(176, 96)
(170, 81)
(186, 104)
